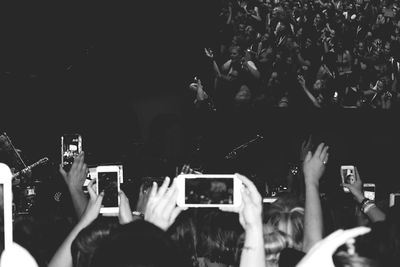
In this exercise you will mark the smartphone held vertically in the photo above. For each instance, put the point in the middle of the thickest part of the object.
(208, 190)
(394, 199)
(6, 220)
(348, 175)
(108, 179)
(71, 147)
(369, 190)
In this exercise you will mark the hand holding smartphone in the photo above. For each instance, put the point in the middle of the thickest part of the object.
(348, 175)
(71, 147)
(109, 179)
(208, 190)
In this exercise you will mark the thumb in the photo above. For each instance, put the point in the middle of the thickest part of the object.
(123, 199)
(99, 199)
(62, 172)
(308, 156)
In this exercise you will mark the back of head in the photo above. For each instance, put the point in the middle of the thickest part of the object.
(218, 236)
(88, 240)
(184, 233)
(139, 243)
(290, 222)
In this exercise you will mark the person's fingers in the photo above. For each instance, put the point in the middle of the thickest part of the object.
(163, 187)
(99, 200)
(324, 152)
(168, 201)
(229, 209)
(246, 199)
(325, 159)
(349, 186)
(357, 174)
(153, 190)
(62, 172)
(255, 195)
(308, 156)
(123, 198)
(318, 151)
(326, 241)
(340, 239)
(91, 189)
(78, 161)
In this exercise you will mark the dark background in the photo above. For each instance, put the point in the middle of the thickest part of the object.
(109, 70)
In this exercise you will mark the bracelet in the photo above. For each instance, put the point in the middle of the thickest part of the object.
(368, 207)
(365, 200)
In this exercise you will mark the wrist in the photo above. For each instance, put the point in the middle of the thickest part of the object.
(73, 188)
(311, 182)
(359, 197)
(254, 227)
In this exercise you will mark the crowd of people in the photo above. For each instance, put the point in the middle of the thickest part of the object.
(150, 229)
(319, 53)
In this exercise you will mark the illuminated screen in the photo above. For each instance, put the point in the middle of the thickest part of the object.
(108, 181)
(209, 191)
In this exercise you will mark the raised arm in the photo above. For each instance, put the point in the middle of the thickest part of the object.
(161, 209)
(368, 207)
(63, 256)
(75, 179)
(209, 53)
(307, 92)
(250, 217)
(313, 169)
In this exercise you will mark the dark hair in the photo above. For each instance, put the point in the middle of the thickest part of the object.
(139, 243)
(184, 233)
(88, 240)
(219, 236)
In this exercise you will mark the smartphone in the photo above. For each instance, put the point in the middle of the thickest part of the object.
(108, 179)
(71, 146)
(6, 228)
(208, 190)
(394, 199)
(347, 172)
(369, 190)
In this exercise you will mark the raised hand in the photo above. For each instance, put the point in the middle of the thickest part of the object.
(209, 53)
(251, 208)
(306, 146)
(321, 253)
(314, 164)
(356, 188)
(161, 209)
(76, 176)
(301, 80)
(93, 207)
